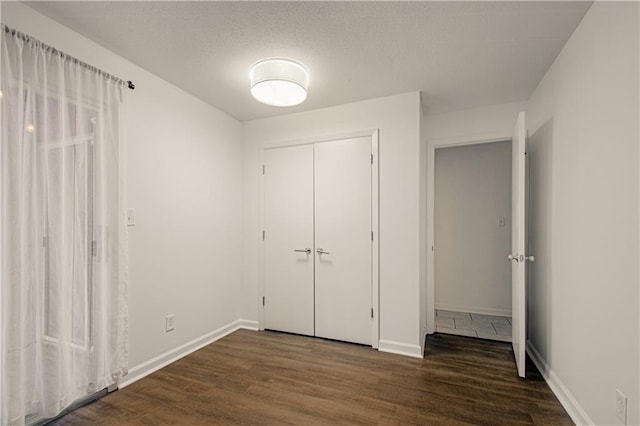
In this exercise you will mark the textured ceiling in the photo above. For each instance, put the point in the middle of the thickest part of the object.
(459, 54)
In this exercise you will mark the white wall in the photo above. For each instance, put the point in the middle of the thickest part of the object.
(184, 180)
(472, 190)
(397, 117)
(583, 145)
(483, 123)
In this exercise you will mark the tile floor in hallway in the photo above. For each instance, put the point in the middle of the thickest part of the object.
(490, 327)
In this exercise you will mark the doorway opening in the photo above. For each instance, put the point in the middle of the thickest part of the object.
(518, 256)
(472, 234)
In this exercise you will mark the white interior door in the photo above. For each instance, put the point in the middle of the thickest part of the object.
(343, 235)
(288, 240)
(518, 256)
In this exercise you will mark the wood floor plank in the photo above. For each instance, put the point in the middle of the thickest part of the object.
(266, 377)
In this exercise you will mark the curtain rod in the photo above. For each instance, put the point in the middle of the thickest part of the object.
(53, 50)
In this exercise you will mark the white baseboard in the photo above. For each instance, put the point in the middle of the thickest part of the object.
(574, 409)
(474, 309)
(248, 324)
(142, 370)
(400, 348)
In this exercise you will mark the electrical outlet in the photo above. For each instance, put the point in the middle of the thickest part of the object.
(169, 322)
(621, 407)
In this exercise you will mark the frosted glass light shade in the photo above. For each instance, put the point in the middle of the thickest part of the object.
(279, 82)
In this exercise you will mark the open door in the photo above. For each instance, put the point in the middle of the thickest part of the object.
(518, 257)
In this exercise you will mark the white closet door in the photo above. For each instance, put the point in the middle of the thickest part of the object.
(288, 270)
(343, 233)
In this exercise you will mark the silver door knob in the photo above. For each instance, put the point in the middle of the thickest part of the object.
(307, 250)
(530, 258)
(320, 251)
(513, 257)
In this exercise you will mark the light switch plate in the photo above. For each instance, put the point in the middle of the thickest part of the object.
(169, 322)
(131, 217)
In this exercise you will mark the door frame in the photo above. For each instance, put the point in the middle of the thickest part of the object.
(432, 145)
(375, 219)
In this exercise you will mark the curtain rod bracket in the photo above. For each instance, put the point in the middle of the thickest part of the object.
(131, 85)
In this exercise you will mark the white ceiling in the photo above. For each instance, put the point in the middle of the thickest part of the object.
(459, 54)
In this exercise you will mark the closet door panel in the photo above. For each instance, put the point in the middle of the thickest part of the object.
(343, 240)
(289, 274)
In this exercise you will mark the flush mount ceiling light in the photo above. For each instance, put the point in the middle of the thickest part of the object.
(279, 82)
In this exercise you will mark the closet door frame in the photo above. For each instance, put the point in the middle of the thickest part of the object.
(375, 214)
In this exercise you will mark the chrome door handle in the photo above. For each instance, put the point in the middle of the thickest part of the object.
(320, 251)
(307, 250)
(521, 258)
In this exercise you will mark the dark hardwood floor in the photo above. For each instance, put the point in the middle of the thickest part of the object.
(266, 377)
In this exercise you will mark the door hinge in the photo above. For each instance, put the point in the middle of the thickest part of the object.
(263, 169)
(371, 158)
(371, 235)
(263, 235)
(371, 312)
(94, 248)
(44, 241)
(263, 300)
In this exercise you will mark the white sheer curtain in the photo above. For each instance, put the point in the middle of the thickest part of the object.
(63, 282)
